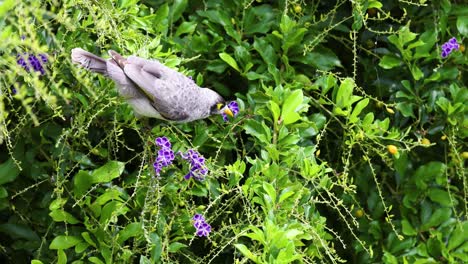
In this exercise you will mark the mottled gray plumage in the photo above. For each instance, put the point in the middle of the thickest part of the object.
(153, 89)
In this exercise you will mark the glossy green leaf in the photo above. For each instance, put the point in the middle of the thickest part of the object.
(246, 252)
(186, 28)
(8, 171)
(176, 246)
(353, 118)
(61, 257)
(229, 60)
(131, 230)
(462, 25)
(440, 196)
(63, 216)
(64, 242)
(344, 93)
(290, 107)
(177, 8)
(389, 62)
(407, 228)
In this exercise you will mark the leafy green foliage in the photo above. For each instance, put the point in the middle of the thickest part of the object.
(303, 174)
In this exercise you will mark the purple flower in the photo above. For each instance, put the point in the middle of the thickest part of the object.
(30, 61)
(165, 155)
(203, 228)
(198, 169)
(234, 107)
(163, 142)
(449, 46)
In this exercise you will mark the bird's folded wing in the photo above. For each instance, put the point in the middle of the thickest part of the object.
(162, 95)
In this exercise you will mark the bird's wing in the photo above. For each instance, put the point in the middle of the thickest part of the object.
(162, 85)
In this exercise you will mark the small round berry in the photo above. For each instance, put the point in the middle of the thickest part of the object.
(392, 149)
(425, 142)
(298, 9)
(464, 154)
(359, 213)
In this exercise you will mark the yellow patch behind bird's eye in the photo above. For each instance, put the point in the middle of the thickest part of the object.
(219, 105)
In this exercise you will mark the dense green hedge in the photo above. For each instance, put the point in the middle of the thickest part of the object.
(350, 145)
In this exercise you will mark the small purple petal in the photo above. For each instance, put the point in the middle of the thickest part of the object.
(198, 217)
(43, 57)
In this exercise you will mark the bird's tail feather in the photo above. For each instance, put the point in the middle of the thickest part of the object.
(89, 61)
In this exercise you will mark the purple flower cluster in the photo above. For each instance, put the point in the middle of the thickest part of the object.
(203, 228)
(30, 61)
(165, 154)
(234, 108)
(449, 46)
(198, 169)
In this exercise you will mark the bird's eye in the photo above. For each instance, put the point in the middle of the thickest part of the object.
(219, 105)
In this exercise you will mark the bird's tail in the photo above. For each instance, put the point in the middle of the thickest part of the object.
(89, 61)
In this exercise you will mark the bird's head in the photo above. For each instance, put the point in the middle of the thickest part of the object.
(221, 108)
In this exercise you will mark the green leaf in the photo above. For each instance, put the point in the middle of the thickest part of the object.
(265, 50)
(416, 72)
(389, 62)
(229, 60)
(36, 261)
(61, 257)
(440, 196)
(344, 93)
(80, 247)
(186, 28)
(438, 217)
(458, 236)
(8, 171)
(3, 193)
(108, 172)
(374, 4)
(64, 242)
(6, 6)
(131, 230)
(257, 129)
(175, 246)
(407, 228)
(353, 118)
(96, 260)
(246, 252)
(83, 180)
(462, 25)
(62, 216)
(177, 9)
(275, 110)
(291, 105)
(87, 237)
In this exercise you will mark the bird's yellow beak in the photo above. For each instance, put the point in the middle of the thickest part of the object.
(228, 112)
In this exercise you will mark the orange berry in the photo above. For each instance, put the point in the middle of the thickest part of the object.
(392, 149)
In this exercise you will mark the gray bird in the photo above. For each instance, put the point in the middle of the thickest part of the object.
(154, 90)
